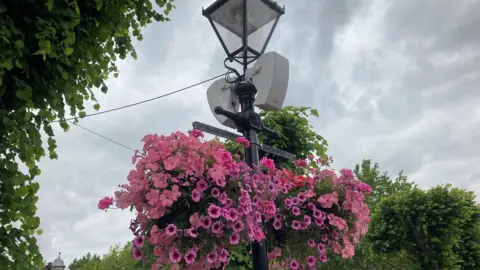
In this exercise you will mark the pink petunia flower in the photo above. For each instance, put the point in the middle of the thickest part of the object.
(105, 203)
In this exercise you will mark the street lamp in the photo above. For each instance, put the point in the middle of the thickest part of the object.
(244, 21)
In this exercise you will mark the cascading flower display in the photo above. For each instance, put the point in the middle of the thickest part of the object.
(321, 213)
(194, 201)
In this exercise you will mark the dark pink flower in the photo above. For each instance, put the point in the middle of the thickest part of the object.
(105, 203)
(224, 255)
(171, 229)
(216, 227)
(215, 192)
(232, 214)
(364, 187)
(214, 211)
(196, 133)
(267, 163)
(311, 261)
(243, 141)
(238, 226)
(190, 257)
(175, 255)
(296, 225)
(137, 254)
(301, 163)
(138, 241)
(277, 224)
(296, 211)
(206, 222)
(321, 248)
(234, 239)
(294, 264)
(212, 257)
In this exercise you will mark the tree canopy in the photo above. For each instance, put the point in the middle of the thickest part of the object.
(117, 258)
(54, 55)
(439, 228)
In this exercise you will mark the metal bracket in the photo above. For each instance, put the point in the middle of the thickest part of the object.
(232, 136)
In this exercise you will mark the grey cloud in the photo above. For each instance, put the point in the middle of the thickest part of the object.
(386, 95)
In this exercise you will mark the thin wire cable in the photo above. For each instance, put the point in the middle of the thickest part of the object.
(152, 99)
(133, 104)
(103, 137)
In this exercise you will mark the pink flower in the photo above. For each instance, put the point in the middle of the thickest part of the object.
(311, 261)
(323, 258)
(202, 185)
(307, 220)
(215, 192)
(137, 254)
(170, 163)
(294, 264)
(206, 222)
(138, 241)
(296, 211)
(311, 243)
(196, 195)
(328, 200)
(277, 224)
(243, 141)
(212, 257)
(175, 255)
(301, 163)
(269, 208)
(190, 257)
(321, 248)
(216, 227)
(364, 187)
(232, 214)
(194, 219)
(267, 163)
(171, 229)
(336, 247)
(191, 232)
(196, 133)
(234, 239)
(223, 198)
(238, 226)
(348, 251)
(105, 203)
(214, 211)
(296, 225)
(224, 255)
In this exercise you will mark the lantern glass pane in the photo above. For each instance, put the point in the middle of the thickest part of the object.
(230, 16)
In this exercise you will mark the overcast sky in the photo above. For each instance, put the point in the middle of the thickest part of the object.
(394, 81)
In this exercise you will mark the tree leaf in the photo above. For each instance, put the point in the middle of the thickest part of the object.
(68, 51)
(19, 44)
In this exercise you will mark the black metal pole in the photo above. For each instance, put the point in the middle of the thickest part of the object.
(246, 94)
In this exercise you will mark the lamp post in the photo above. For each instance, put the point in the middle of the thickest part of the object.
(244, 21)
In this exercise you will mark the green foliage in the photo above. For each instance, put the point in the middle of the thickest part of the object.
(382, 185)
(117, 258)
(240, 258)
(85, 261)
(440, 227)
(53, 55)
(295, 134)
(365, 257)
